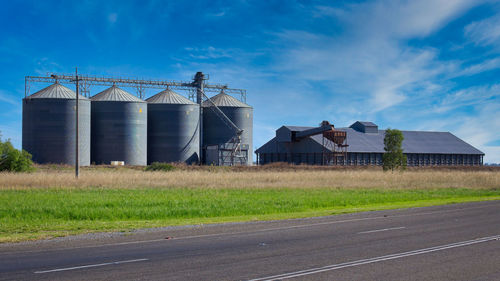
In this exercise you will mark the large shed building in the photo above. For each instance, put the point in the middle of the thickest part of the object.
(364, 145)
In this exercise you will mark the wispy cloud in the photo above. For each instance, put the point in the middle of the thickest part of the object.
(481, 129)
(397, 19)
(485, 32)
(478, 95)
(486, 65)
(371, 61)
(209, 52)
(45, 65)
(8, 98)
(470, 113)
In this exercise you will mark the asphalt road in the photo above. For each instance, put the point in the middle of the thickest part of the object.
(453, 242)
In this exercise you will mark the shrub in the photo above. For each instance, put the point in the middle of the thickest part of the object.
(157, 166)
(14, 160)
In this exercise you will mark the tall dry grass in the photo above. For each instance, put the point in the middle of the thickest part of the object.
(253, 178)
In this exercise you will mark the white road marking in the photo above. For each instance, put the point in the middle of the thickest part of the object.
(376, 259)
(89, 266)
(257, 231)
(381, 230)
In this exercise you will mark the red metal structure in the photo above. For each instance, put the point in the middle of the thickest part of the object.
(334, 145)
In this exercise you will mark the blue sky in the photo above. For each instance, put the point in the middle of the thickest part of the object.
(410, 65)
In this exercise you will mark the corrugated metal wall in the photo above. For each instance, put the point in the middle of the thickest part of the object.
(362, 159)
(119, 132)
(49, 130)
(216, 132)
(49, 126)
(173, 133)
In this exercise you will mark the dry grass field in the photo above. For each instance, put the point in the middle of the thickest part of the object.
(51, 202)
(277, 176)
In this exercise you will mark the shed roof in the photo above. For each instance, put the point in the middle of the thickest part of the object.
(169, 97)
(225, 100)
(55, 91)
(114, 93)
(414, 142)
(297, 128)
(367, 123)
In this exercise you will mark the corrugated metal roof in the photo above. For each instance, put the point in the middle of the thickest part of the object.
(115, 94)
(414, 142)
(367, 124)
(55, 91)
(297, 128)
(225, 100)
(170, 97)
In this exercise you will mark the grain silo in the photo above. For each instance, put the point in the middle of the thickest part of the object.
(173, 128)
(119, 128)
(49, 126)
(216, 132)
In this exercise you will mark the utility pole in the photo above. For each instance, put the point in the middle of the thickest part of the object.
(198, 84)
(77, 161)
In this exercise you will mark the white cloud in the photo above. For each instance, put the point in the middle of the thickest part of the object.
(369, 59)
(45, 65)
(477, 125)
(386, 97)
(470, 96)
(491, 154)
(8, 98)
(486, 65)
(209, 52)
(481, 129)
(420, 18)
(398, 18)
(484, 32)
(326, 11)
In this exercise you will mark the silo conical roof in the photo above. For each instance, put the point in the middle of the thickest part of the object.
(225, 100)
(55, 91)
(169, 97)
(115, 94)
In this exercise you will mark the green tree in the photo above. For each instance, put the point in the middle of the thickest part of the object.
(14, 160)
(393, 158)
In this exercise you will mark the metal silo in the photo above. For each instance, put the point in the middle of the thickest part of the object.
(119, 128)
(49, 126)
(217, 132)
(173, 128)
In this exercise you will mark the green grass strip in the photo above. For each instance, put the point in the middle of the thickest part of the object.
(45, 213)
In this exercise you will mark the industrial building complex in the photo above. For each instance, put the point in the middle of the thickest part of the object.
(362, 143)
(116, 126)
